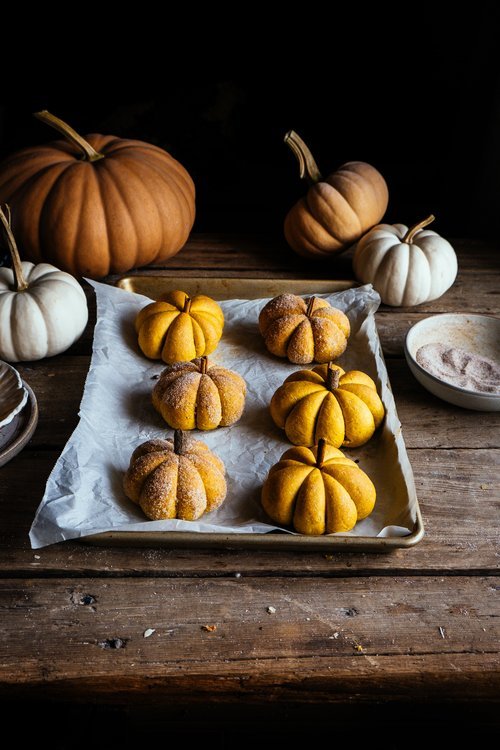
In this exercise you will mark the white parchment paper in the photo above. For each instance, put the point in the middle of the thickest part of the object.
(84, 491)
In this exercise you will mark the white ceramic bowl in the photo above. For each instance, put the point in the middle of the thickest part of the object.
(479, 334)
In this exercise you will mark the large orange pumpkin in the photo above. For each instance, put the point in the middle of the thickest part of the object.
(337, 210)
(97, 205)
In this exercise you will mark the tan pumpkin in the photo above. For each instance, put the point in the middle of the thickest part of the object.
(344, 408)
(97, 205)
(178, 328)
(317, 491)
(179, 478)
(337, 210)
(304, 331)
(195, 395)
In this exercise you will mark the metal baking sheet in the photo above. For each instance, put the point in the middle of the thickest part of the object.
(223, 288)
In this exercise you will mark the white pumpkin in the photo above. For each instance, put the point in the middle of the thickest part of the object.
(42, 310)
(406, 266)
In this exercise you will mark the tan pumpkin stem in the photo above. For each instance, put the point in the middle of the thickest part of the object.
(416, 228)
(320, 452)
(308, 168)
(187, 305)
(179, 442)
(204, 365)
(332, 378)
(310, 306)
(21, 283)
(88, 151)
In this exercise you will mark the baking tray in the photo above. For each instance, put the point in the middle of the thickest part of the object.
(223, 288)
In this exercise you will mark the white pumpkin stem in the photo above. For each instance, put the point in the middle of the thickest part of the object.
(88, 151)
(308, 167)
(416, 228)
(21, 283)
(320, 452)
(204, 365)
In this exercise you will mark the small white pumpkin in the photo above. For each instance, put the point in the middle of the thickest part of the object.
(42, 310)
(406, 266)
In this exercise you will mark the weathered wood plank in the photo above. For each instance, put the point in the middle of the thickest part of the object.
(378, 637)
(458, 493)
(58, 385)
(458, 299)
(253, 252)
(429, 422)
(392, 330)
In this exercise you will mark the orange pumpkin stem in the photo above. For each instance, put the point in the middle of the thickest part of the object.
(416, 228)
(310, 306)
(332, 378)
(308, 167)
(179, 442)
(203, 365)
(21, 283)
(320, 452)
(187, 305)
(89, 153)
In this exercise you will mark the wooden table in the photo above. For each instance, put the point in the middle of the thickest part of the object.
(413, 627)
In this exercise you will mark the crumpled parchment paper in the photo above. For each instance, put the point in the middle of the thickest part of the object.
(84, 492)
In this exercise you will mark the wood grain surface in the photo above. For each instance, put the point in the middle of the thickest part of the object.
(386, 628)
(411, 625)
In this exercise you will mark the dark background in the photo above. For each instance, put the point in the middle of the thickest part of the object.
(414, 94)
(419, 100)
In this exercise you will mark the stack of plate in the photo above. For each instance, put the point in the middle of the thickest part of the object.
(18, 412)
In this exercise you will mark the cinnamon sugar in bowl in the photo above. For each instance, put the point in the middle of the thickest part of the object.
(457, 358)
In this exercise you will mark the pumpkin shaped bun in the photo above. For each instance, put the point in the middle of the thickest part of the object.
(337, 210)
(304, 331)
(179, 478)
(99, 204)
(192, 395)
(326, 402)
(317, 491)
(179, 328)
